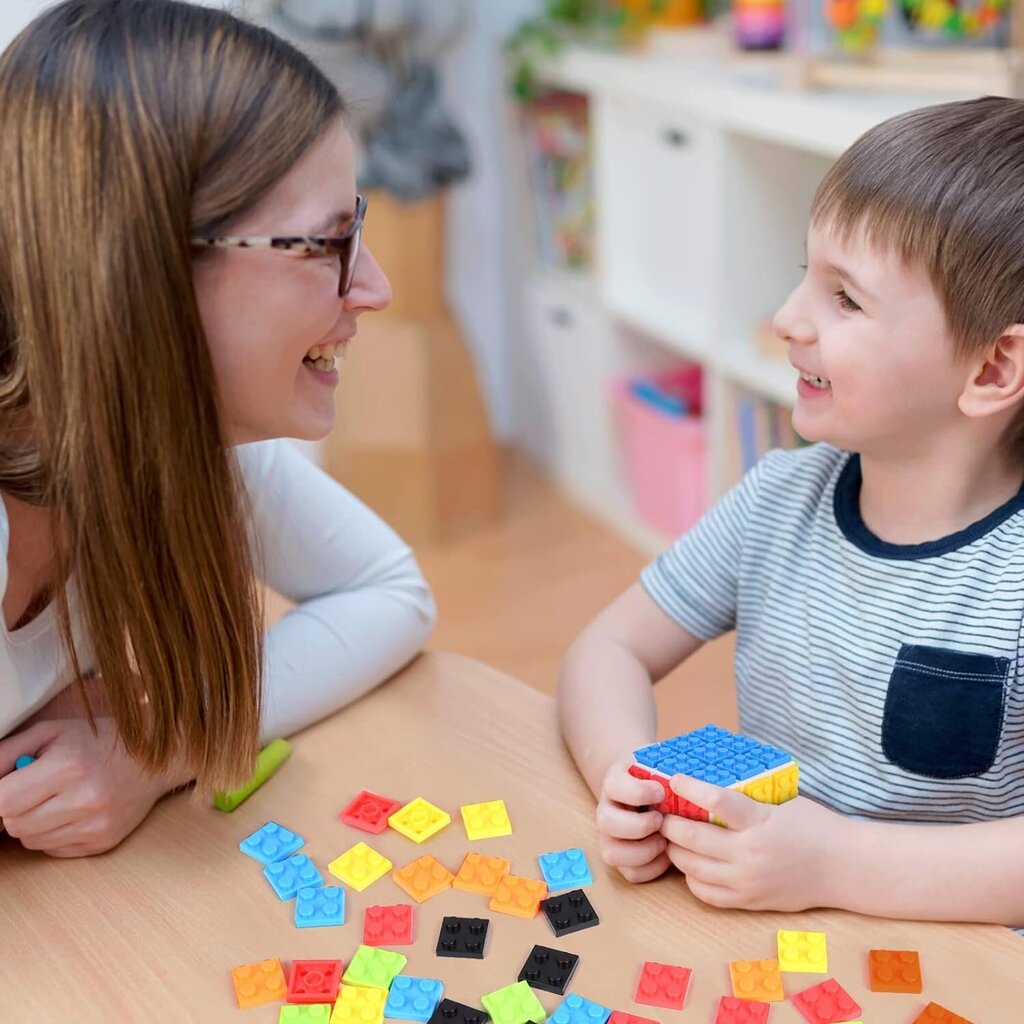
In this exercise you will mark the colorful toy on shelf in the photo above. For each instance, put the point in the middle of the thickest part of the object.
(856, 23)
(759, 24)
(955, 19)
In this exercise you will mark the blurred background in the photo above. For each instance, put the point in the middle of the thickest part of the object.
(590, 210)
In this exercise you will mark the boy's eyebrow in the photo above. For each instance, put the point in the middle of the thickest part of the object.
(844, 273)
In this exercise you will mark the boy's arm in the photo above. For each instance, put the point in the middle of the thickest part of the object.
(605, 697)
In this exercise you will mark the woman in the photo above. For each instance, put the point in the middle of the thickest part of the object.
(179, 268)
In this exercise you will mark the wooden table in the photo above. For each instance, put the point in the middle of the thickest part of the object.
(150, 931)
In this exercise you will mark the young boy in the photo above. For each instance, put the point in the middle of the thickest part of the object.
(875, 579)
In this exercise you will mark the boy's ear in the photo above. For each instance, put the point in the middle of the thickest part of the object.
(996, 382)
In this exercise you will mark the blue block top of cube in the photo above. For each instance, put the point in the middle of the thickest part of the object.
(287, 877)
(271, 843)
(320, 908)
(565, 869)
(575, 1009)
(712, 754)
(413, 998)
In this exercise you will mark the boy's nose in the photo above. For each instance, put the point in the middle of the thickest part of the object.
(791, 326)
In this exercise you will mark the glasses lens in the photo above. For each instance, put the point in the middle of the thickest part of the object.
(349, 257)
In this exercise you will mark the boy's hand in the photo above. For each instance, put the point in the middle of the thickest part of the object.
(767, 857)
(631, 840)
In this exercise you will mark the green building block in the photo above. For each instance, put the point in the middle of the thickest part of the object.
(271, 757)
(374, 968)
(514, 1004)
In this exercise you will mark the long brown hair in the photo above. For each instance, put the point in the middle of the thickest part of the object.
(127, 127)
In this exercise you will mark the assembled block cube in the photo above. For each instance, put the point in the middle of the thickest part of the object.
(359, 866)
(575, 1009)
(287, 877)
(514, 1004)
(550, 970)
(413, 999)
(723, 758)
(565, 869)
(480, 874)
(487, 820)
(320, 908)
(894, 970)
(314, 981)
(388, 926)
(256, 984)
(374, 968)
(826, 1003)
(271, 843)
(370, 812)
(663, 985)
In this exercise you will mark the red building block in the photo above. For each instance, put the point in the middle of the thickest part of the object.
(672, 804)
(826, 1003)
(663, 985)
(388, 926)
(894, 970)
(935, 1014)
(370, 812)
(741, 1011)
(621, 1017)
(314, 981)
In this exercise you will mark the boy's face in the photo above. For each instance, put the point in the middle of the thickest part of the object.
(873, 332)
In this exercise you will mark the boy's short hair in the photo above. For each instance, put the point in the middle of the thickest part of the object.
(943, 186)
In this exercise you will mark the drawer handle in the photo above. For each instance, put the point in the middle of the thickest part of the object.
(675, 138)
(560, 317)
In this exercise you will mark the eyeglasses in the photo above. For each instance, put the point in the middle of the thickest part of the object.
(345, 246)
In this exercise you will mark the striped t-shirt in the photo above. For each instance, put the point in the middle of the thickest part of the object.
(890, 672)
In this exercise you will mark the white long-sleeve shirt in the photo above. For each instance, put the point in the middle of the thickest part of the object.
(363, 608)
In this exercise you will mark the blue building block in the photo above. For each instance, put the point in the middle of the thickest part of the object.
(413, 998)
(575, 1009)
(271, 843)
(287, 877)
(320, 908)
(713, 755)
(565, 869)
(24, 761)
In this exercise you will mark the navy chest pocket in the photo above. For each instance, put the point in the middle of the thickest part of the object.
(944, 711)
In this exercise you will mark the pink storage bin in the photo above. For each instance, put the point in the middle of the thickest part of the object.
(665, 454)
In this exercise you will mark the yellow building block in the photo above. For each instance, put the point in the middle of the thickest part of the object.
(356, 1005)
(256, 984)
(786, 783)
(761, 788)
(424, 877)
(756, 979)
(805, 952)
(487, 820)
(519, 897)
(419, 819)
(481, 874)
(360, 866)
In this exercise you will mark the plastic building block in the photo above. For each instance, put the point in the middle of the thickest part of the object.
(419, 819)
(450, 1012)
(894, 970)
(320, 908)
(803, 952)
(315, 1013)
(826, 1003)
(270, 758)
(565, 869)
(314, 981)
(741, 1011)
(423, 878)
(360, 867)
(514, 1004)
(271, 843)
(374, 968)
(358, 1005)
(487, 820)
(756, 979)
(480, 874)
(256, 984)
(575, 1009)
(370, 812)
(287, 877)
(23, 761)
(663, 985)
(413, 998)
(550, 970)
(388, 926)
(935, 1014)
(569, 912)
(464, 937)
(621, 1017)
(519, 897)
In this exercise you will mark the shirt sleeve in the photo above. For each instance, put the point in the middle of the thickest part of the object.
(363, 608)
(696, 581)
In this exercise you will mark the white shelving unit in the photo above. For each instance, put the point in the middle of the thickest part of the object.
(704, 176)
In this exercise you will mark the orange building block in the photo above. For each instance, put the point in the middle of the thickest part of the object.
(481, 874)
(894, 970)
(256, 984)
(519, 897)
(424, 877)
(757, 979)
(935, 1014)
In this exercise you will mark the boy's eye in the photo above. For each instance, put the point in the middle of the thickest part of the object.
(845, 302)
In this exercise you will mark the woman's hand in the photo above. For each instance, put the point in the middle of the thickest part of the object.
(630, 835)
(767, 857)
(81, 796)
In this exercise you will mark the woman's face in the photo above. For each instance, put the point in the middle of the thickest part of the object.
(264, 311)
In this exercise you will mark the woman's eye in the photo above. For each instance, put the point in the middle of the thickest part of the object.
(845, 302)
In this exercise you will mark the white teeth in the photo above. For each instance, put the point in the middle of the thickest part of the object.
(822, 383)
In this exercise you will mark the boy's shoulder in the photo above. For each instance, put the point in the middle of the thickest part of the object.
(798, 475)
